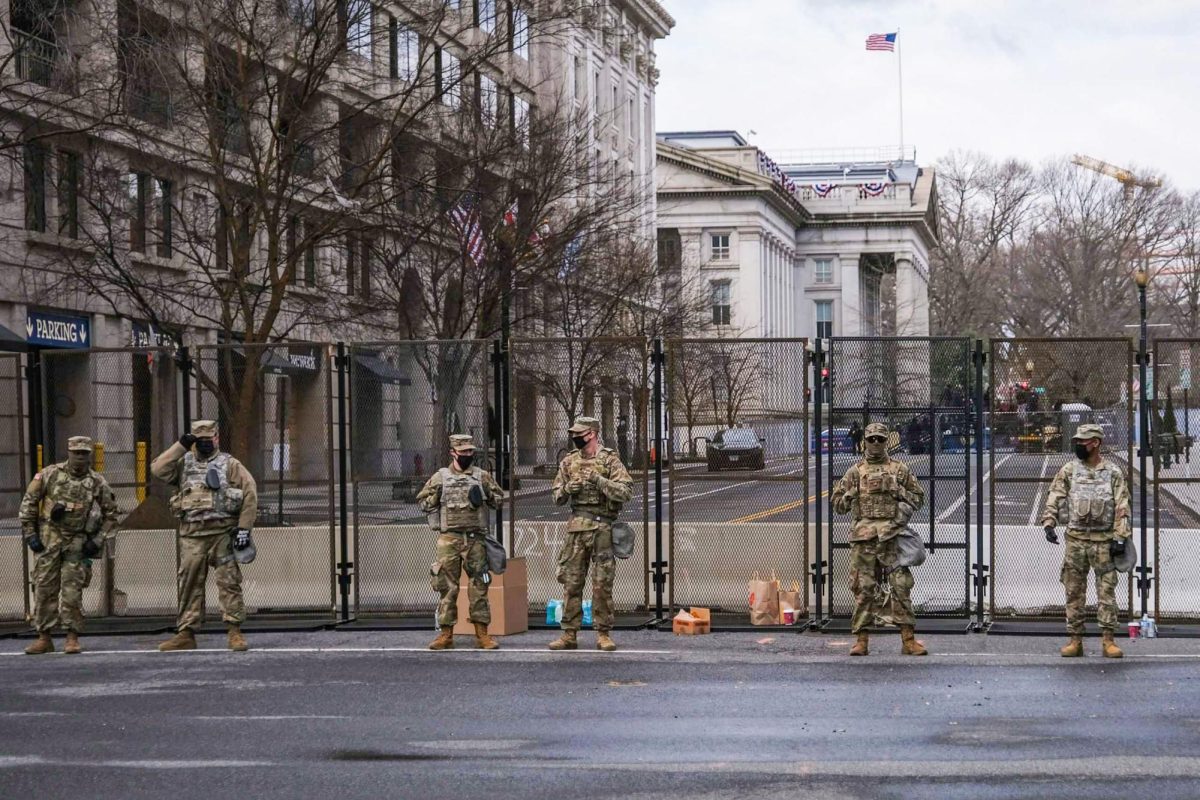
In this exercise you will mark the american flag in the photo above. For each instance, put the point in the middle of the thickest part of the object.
(465, 217)
(882, 41)
(510, 216)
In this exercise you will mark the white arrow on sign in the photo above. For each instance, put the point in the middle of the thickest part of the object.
(28, 328)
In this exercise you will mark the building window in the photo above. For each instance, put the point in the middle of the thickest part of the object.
(520, 119)
(358, 27)
(668, 249)
(68, 194)
(304, 261)
(163, 199)
(139, 191)
(358, 267)
(449, 79)
(35, 187)
(824, 319)
(403, 51)
(486, 15)
(722, 312)
(519, 31)
(489, 99)
(823, 270)
(580, 78)
(720, 246)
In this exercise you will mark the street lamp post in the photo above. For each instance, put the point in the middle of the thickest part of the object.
(1142, 278)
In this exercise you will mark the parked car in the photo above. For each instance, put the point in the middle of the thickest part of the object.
(735, 448)
(840, 441)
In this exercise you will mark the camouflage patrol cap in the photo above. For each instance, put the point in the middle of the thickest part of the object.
(80, 443)
(204, 427)
(583, 424)
(462, 443)
(876, 429)
(1088, 430)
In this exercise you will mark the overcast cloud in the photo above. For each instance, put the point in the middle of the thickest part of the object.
(1116, 80)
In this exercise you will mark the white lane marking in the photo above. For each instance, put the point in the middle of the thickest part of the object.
(714, 491)
(9, 762)
(1035, 512)
(261, 650)
(269, 717)
(961, 498)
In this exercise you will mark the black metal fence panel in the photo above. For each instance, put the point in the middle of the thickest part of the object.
(739, 467)
(273, 405)
(405, 400)
(922, 389)
(1039, 392)
(553, 381)
(14, 476)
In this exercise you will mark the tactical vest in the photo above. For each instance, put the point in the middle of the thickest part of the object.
(1091, 505)
(590, 499)
(78, 495)
(455, 511)
(196, 502)
(878, 490)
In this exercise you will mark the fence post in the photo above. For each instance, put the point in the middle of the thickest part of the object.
(978, 358)
(817, 357)
(183, 361)
(341, 362)
(660, 577)
(33, 388)
(497, 431)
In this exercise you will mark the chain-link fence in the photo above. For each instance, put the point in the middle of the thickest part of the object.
(739, 465)
(14, 475)
(922, 389)
(1174, 421)
(127, 401)
(553, 381)
(1039, 392)
(273, 405)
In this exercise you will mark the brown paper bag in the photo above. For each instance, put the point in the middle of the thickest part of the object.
(793, 599)
(764, 601)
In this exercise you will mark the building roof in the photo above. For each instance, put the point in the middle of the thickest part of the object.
(703, 139)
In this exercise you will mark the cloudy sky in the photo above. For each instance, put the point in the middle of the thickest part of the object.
(1116, 80)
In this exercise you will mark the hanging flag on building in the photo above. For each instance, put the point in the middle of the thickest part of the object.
(465, 217)
(823, 189)
(570, 259)
(510, 216)
(872, 189)
(882, 41)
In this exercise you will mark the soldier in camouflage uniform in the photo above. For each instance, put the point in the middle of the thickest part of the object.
(596, 484)
(216, 502)
(67, 515)
(1090, 493)
(881, 495)
(455, 499)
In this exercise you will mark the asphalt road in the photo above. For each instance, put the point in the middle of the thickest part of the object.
(722, 716)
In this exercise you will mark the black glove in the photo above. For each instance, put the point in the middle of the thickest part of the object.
(91, 548)
(1051, 536)
(475, 495)
(241, 539)
(35, 543)
(1116, 548)
(187, 440)
(58, 512)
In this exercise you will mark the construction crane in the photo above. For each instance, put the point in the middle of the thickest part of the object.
(1126, 177)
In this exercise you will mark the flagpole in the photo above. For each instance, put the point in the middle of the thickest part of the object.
(900, 76)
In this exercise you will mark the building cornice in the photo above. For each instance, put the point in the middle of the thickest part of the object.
(740, 180)
(651, 14)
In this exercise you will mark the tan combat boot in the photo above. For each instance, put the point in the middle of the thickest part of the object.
(1110, 647)
(1073, 648)
(237, 642)
(482, 640)
(444, 640)
(566, 641)
(861, 646)
(604, 642)
(43, 645)
(184, 640)
(72, 646)
(910, 645)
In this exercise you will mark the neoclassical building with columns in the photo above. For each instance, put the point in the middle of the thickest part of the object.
(819, 244)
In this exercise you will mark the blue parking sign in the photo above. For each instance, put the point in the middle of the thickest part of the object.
(57, 330)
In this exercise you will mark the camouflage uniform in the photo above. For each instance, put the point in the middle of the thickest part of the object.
(61, 571)
(1095, 501)
(462, 529)
(206, 525)
(603, 486)
(881, 495)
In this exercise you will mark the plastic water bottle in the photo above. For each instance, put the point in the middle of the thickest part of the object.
(550, 612)
(558, 612)
(1146, 623)
(587, 612)
(1153, 628)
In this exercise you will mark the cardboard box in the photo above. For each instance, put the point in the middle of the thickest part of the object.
(508, 595)
(693, 622)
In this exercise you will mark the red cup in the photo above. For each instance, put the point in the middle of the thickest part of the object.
(1135, 629)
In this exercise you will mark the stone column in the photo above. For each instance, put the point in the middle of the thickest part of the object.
(912, 298)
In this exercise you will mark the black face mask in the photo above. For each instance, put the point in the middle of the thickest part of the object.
(79, 462)
(205, 447)
(464, 461)
(1082, 452)
(579, 441)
